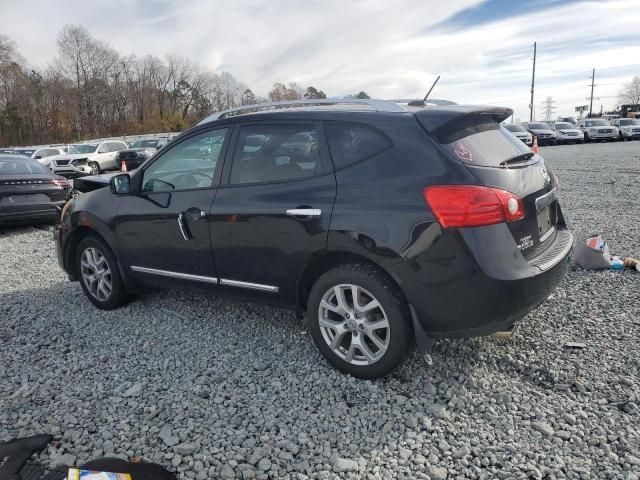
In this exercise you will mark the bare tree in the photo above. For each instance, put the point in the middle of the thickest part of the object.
(630, 93)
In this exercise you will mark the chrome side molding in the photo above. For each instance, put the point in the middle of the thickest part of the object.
(253, 286)
(201, 278)
(167, 273)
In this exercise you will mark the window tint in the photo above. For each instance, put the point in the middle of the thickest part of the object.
(271, 153)
(187, 165)
(350, 143)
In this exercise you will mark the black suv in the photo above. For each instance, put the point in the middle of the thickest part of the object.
(386, 224)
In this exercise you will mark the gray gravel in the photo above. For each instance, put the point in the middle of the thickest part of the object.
(218, 389)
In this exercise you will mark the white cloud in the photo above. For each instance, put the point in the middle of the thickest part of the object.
(342, 46)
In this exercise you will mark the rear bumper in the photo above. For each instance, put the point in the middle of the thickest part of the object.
(474, 284)
(26, 213)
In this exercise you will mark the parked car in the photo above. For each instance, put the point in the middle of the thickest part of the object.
(567, 133)
(87, 159)
(139, 151)
(628, 128)
(596, 129)
(25, 152)
(43, 155)
(29, 191)
(545, 134)
(520, 133)
(390, 225)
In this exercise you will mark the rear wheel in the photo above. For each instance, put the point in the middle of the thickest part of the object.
(99, 274)
(95, 168)
(359, 321)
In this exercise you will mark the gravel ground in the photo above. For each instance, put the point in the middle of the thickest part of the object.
(213, 388)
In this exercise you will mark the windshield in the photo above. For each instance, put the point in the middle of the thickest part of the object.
(82, 148)
(145, 144)
(597, 123)
(514, 128)
(561, 126)
(629, 121)
(539, 126)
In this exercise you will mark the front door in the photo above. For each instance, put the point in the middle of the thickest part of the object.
(272, 215)
(163, 232)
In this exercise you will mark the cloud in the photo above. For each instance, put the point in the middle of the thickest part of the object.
(395, 49)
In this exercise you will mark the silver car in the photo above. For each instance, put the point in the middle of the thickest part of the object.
(520, 133)
(87, 159)
(629, 128)
(595, 129)
(568, 133)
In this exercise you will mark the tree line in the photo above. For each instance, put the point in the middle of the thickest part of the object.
(91, 90)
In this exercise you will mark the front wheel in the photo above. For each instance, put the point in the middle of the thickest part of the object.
(99, 274)
(95, 168)
(359, 321)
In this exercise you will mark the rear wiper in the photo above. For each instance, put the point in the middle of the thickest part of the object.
(523, 157)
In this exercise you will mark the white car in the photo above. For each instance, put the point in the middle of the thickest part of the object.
(87, 159)
(568, 133)
(519, 132)
(595, 129)
(43, 155)
(629, 128)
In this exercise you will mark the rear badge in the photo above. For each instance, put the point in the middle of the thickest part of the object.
(545, 174)
(463, 152)
(525, 242)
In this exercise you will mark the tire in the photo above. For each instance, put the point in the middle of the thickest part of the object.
(586, 138)
(95, 168)
(393, 340)
(99, 255)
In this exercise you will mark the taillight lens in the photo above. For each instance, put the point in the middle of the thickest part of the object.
(457, 206)
(61, 182)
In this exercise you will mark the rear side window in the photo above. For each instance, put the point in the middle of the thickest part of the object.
(276, 153)
(479, 141)
(350, 143)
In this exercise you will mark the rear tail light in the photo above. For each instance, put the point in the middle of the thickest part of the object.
(60, 182)
(458, 206)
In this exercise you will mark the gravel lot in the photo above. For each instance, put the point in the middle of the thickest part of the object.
(218, 389)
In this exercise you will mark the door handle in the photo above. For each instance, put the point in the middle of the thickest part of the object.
(194, 214)
(184, 229)
(304, 212)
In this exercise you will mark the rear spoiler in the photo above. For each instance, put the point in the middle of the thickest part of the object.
(444, 123)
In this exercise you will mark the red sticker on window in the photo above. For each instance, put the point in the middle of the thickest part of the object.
(463, 152)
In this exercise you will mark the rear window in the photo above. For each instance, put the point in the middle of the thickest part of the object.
(350, 143)
(477, 141)
(21, 167)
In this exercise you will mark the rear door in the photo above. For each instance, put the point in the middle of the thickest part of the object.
(500, 160)
(272, 215)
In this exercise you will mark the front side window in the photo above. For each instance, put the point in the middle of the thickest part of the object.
(273, 153)
(188, 165)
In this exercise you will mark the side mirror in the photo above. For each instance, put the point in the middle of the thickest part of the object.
(37, 157)
(120, 184)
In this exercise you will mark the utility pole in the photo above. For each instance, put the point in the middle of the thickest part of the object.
(533, 83)
(593, 77)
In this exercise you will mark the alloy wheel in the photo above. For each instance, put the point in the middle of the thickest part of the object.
(96, 274)
(353, 324)
(95, 169)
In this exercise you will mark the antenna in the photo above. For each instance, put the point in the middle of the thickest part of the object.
(422, 103)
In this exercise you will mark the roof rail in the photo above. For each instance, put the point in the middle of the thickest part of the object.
(377, 105)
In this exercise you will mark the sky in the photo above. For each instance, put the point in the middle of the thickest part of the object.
(389, 48)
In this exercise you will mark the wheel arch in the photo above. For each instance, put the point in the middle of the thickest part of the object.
(75, 237)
